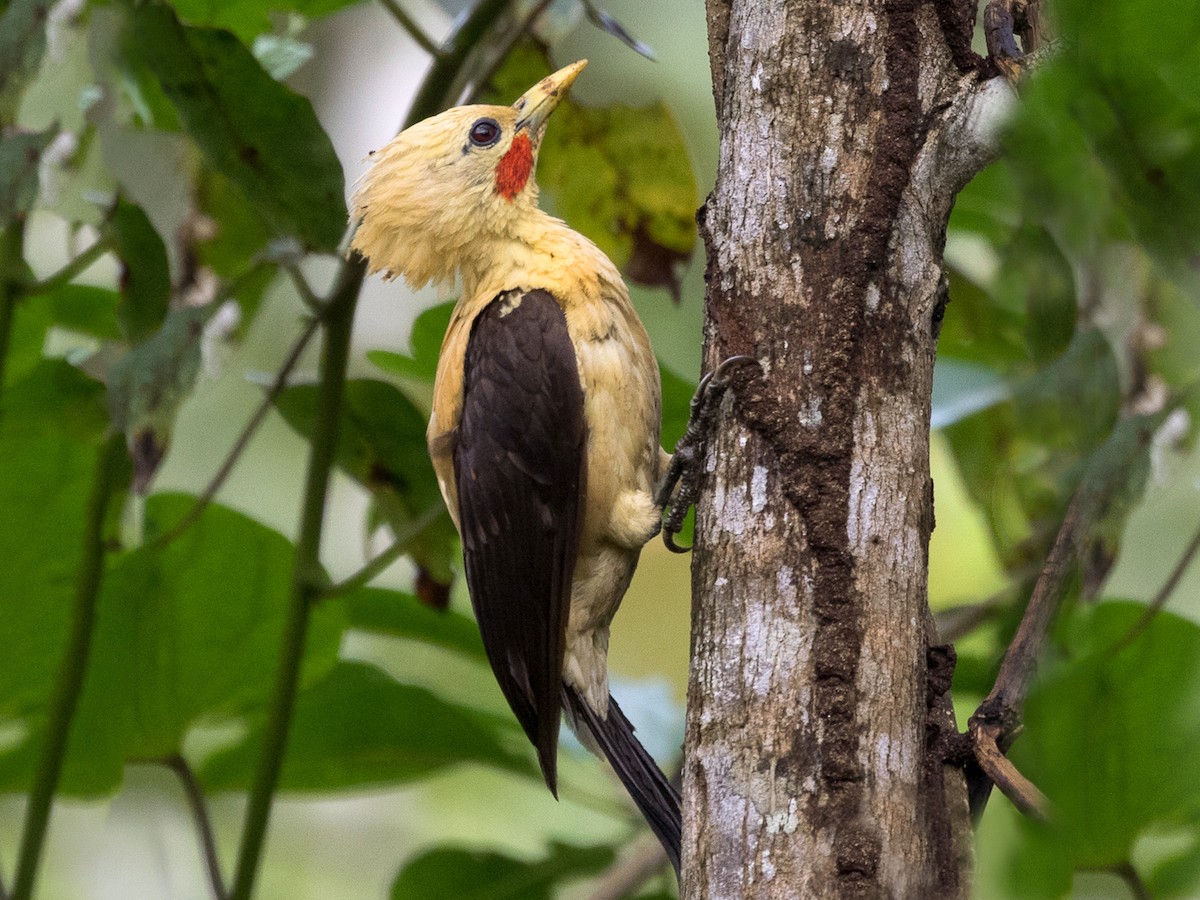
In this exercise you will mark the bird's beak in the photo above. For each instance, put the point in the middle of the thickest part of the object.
(540, 100)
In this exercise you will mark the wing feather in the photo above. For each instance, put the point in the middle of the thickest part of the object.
(519, 468)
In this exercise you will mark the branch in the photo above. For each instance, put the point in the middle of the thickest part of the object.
(957, 622)
(1003, 774)
(397, 549)
(72, 668)
(994, 724)
(480, 81)
(646, 860)
(307, 576)
(75, 267)
(1163, 595)
(1003, 22)
(243, 441)
(12, 250)
(412, 28)
(309, 297)
(434, 93)
(1016, 671)
(199, 809)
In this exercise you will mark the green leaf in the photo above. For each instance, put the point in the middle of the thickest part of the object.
(1112, 486)
(1178, 876)
(250, 18)
(677, 395)
(1035, 275)
(1107, 138)
(50, 422)
(448, 873)
(27, 340)
(20, 153)
(250, 128)
(358, 726)
(381, 445)
(22, 44)
(145, 273)
(1073, 402)
(1101, 729)
(148, 384)
(239, 232)
(620, 175)
(85, 309)
(980, 328)
(184, 634)
(194, 630)
(403, 615)
(426, 342)
(54, 399)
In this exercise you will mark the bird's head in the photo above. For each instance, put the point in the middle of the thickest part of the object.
(452, 181)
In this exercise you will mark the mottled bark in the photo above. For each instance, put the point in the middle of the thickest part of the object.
(818, 698)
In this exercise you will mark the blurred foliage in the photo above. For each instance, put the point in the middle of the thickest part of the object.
(1131, 709)
(1071, 331)
(448, 873)
(1070, 338)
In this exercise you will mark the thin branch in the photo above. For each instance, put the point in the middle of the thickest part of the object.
(412, 28)
(12, 250)
(397, 549)
(72, 667)
(1016, 671)
(1003, 22)
(1164, 594)
(434, 94)
(243, 441)
(307, 576)
(996, 720)
(480, 81)
(1003, 774)
(75, 267)
(645, 860)
(606, 23)
(309, 297)
(204, 829)
(957, 622)
(1128, 874)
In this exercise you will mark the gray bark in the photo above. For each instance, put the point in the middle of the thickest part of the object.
(818, 699)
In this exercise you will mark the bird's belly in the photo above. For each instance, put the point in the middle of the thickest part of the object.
(621, 402)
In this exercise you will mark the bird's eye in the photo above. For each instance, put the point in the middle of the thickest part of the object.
(485, 132)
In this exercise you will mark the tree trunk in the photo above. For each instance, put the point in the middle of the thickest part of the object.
(818, 701)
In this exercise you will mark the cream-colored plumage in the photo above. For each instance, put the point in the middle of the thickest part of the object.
(621, 392)
(429, 212)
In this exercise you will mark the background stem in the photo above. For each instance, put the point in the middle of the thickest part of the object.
(307, 575)
(72, 669)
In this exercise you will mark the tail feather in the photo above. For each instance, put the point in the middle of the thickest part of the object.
(654, 796)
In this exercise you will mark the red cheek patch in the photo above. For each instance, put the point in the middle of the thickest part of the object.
(515, 167)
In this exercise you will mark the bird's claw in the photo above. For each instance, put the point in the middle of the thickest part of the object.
(681, 484)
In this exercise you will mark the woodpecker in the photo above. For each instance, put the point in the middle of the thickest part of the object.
(544, 431)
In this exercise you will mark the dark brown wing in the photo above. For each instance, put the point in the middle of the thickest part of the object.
(519, 468)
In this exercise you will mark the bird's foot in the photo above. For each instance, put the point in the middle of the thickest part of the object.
(681, 484)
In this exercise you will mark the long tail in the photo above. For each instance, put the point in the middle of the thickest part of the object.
(654, 796)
